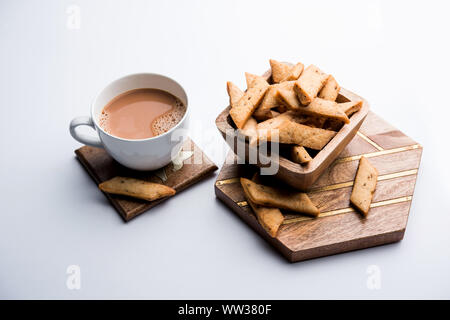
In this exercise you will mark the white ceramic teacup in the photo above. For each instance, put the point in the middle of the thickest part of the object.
(139, 154)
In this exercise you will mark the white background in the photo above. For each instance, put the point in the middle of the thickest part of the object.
(394, 53)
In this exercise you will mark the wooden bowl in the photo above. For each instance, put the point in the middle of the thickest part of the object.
(296, 175)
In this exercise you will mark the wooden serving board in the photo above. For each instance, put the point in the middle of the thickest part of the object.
(102, 167)
(339, 228)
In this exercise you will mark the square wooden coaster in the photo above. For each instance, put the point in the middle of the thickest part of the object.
(102, 167)
(339, 228)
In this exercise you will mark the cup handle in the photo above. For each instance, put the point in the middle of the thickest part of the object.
(93, 141)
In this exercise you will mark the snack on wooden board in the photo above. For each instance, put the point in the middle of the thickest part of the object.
(275, 122)
(291, 132)
(300, 155)
(234, 93)
(289, 98)
(294, 73)
(250, 130)
(314, 122)
(364, 186)
(136, 188)
(280, 70)
(309, 84)
(265, 128)
(299, 103)
(330, 90)
(325, 109)
(250, 77)
(284, 199)
(269, 218)
(350, 108)
(333, 125)
(247, 104)
(263, 112)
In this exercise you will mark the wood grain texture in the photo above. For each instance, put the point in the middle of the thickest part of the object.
(339, 227)
(102, 167)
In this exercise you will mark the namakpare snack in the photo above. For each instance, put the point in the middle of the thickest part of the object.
(295, 104)
(136, 188)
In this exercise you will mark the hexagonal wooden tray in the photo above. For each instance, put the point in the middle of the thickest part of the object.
(339, 228)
